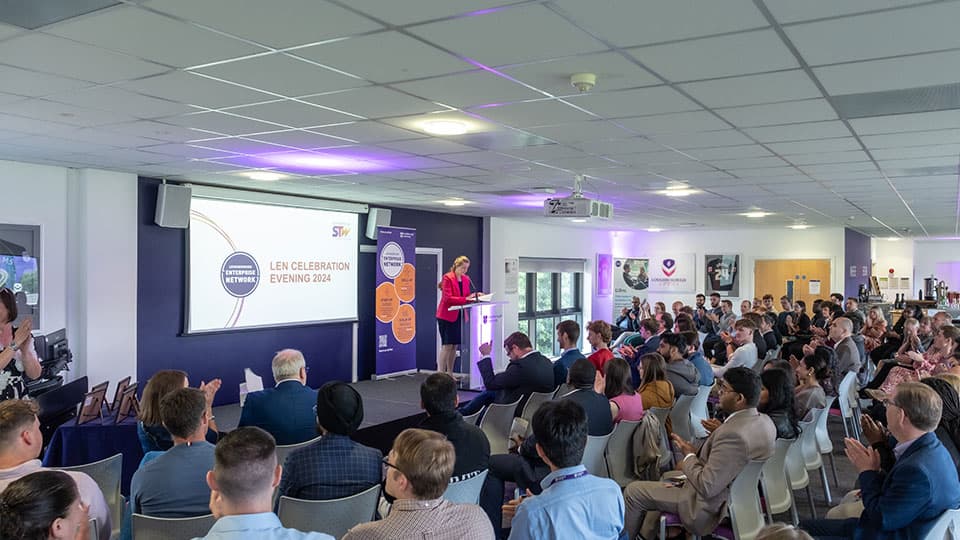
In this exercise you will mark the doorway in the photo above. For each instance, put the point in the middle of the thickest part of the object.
(801, 279)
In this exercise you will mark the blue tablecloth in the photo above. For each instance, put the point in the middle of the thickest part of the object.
(99, 439)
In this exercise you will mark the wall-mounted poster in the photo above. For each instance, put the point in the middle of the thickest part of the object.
(673, 273)
(604, 274)
(722, 274)
(630, 278)
(511, 275)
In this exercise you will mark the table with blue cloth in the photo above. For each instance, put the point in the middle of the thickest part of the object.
(98, 439)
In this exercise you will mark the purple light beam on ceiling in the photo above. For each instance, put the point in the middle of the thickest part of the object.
(319, 163)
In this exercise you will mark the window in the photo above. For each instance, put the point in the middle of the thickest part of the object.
(546, 298)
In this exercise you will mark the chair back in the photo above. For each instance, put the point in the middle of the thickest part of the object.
(847, 392)
(563, 390)
(615, 346)
(699, 412)
(619, 453)
(534, 402)
(472, 418)
(106, 473)
(946, 527)
(808, 441)
(93, 533)
(284, 450)
(662, 414)
(496, 423)
(680, 417)
(824, 445)
(154, 528)
(334, 517)
(466, 491)
(776, 487)
(593, 455)
(746, 517)
(796, 468)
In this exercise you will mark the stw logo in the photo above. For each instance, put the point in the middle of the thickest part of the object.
(340, 231)
(669, 267)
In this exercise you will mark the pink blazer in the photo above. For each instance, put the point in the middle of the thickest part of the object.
(450, 296)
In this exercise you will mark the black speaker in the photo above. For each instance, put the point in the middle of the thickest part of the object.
(173, 206)
(377, 217)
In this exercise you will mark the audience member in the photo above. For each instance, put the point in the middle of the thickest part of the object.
(767, 325)
(701, 502)
(438, 396)
(284, 411)
(874, 329)
(758, 339)
(680, 372)
(244, 476)
(153, 436)
(568, 335)
(598, 335)
(582, 379)
(572, 502)
(848, 357)
(811, 371)
(951, 378)
(921, 484)
(782, 531)
(768, 305)
(528, 371)
(417, 472)
(666, 323)
(675, 308)
(625, 402)
(335, 466)
(651, 340)
(741, 351)
(20, 446)
(684, 323)
(746, 306)
(696, 358)
(777, 401)
(43, 505)
(893, 339)
(655, 389)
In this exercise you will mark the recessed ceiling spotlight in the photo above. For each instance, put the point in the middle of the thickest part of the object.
(579, 220)
(265, 176)
(893, 239)
(678, 191)
(654, 229)
(756, 214)
(800, 226)
(444, 127)
(454, 202)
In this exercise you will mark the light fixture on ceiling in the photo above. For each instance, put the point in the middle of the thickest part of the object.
(756, 214)
(583, 82)
(579, 220)
(654, 229)
(679, 190)
(454, 202)
(264, 176)
(893, 239)
(444, 127)
(799, 226)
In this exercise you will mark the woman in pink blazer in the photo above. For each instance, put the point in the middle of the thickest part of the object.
(455, 291)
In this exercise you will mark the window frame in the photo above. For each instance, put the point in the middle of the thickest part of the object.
(527, 319)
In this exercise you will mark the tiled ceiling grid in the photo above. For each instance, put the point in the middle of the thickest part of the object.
(820, 112)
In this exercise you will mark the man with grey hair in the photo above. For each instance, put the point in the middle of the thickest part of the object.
(285, 411)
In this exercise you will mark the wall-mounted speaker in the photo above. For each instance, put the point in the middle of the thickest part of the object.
(173, 206)
(377, 217)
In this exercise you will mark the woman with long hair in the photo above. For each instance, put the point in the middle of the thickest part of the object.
(777, 401)
(809, 394)
(454, 291)
(41, 506)
(873, 329)
(17, 355)
(655, 390)
(625, 402)
(153, 436)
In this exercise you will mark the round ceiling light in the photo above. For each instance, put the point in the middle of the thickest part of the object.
(444, 127)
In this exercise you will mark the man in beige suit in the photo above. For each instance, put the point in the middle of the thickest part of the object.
(701, 502)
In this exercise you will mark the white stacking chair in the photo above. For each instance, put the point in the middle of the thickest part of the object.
(776, 486)
(93, 532)
(849, 403)
(680, 417)
(466, 491)
(797, 476)
(106, 473)
(334, 517)
(811, 452)
(619, 455)
(154, 528)
(563, 390)
(699, 412)
(947, 527)
(472, 418)
(284, 450)
(593, 458)
(825, 445)
(496, 423)
(615, 347)
(534, 402)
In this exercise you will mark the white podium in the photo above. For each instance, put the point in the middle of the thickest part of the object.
(481, 322)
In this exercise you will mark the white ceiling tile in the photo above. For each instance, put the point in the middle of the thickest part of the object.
(278, 23)
(133, 156)
(7, 30)
(100, 135)
(839, 168)
(185, 87)
(374, 102)
(225, 124)
(52, 111)
(184, 151)
(10, 98)
(241, 146)
(590, 130)
(480, 159)
(707, 58)
(779, 113)
(788, 11)
(514, 43)
(916, 138)
(613, 71)
(282, 74)
(459, 172)
(639, 102)
(469, 89)
(146, 35)
(411, 11)
(370, 132)
(54, 144)
(907, 122)
(877, 35)
(113, 99)
(827, 157)
(428, 146)
(534, 113)
(292, 114)
(799, 132)
(917, 151)
(34, 84)
(297, 139)
(153, 130)
(620, 146)
(545, 152)
(820, 145)
(748, 163)
(730, 152)
(66, 58)
(706, 139)
(764, 172)
(753, 89)
(636, 23)
(364, 56)
(890, 74)
(684, 122)
(937, 161)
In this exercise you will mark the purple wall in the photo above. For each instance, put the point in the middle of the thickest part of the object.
(856, 253)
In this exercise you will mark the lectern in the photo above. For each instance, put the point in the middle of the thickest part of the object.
(481, 322)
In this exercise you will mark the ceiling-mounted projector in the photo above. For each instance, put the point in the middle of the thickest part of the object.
(576, 205)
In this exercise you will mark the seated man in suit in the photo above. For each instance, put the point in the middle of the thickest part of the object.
(285, 411)
(335, 466)
(528, 371)
(921, 485)
(649, 329)
(568, 333)
(701, 502)
(438, 397)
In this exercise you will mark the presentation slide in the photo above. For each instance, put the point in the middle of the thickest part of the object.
(256, 265)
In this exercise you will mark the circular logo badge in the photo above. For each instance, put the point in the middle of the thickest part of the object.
(240, 274)
(391, 260)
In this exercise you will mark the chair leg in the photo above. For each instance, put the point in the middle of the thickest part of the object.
(833, 467)
(846, 432)
(663, 528)
(763, 497)
(826, 484)
(813, 509)
(793, 510)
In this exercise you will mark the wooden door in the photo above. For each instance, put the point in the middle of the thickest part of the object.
(771, 276)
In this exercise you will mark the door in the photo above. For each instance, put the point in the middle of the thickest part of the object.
(772, 276)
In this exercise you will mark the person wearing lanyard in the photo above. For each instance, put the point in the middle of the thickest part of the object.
(573, 501)
(18, 359)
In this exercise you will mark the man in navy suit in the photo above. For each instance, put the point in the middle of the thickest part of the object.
(285, 411)
(568, 333)
(905, 501)
(649, 329)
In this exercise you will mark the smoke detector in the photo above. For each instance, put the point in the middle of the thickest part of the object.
(583, 82)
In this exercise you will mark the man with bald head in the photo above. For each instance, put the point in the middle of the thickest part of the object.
(848, 355)
(286, 410)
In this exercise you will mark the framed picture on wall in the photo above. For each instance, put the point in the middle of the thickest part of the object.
(20, 269)
(722, 273)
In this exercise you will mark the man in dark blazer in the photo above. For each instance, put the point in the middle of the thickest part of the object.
(286, 410)
(528, 371)
(568, 333)
(649, 329)
(921, 485)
